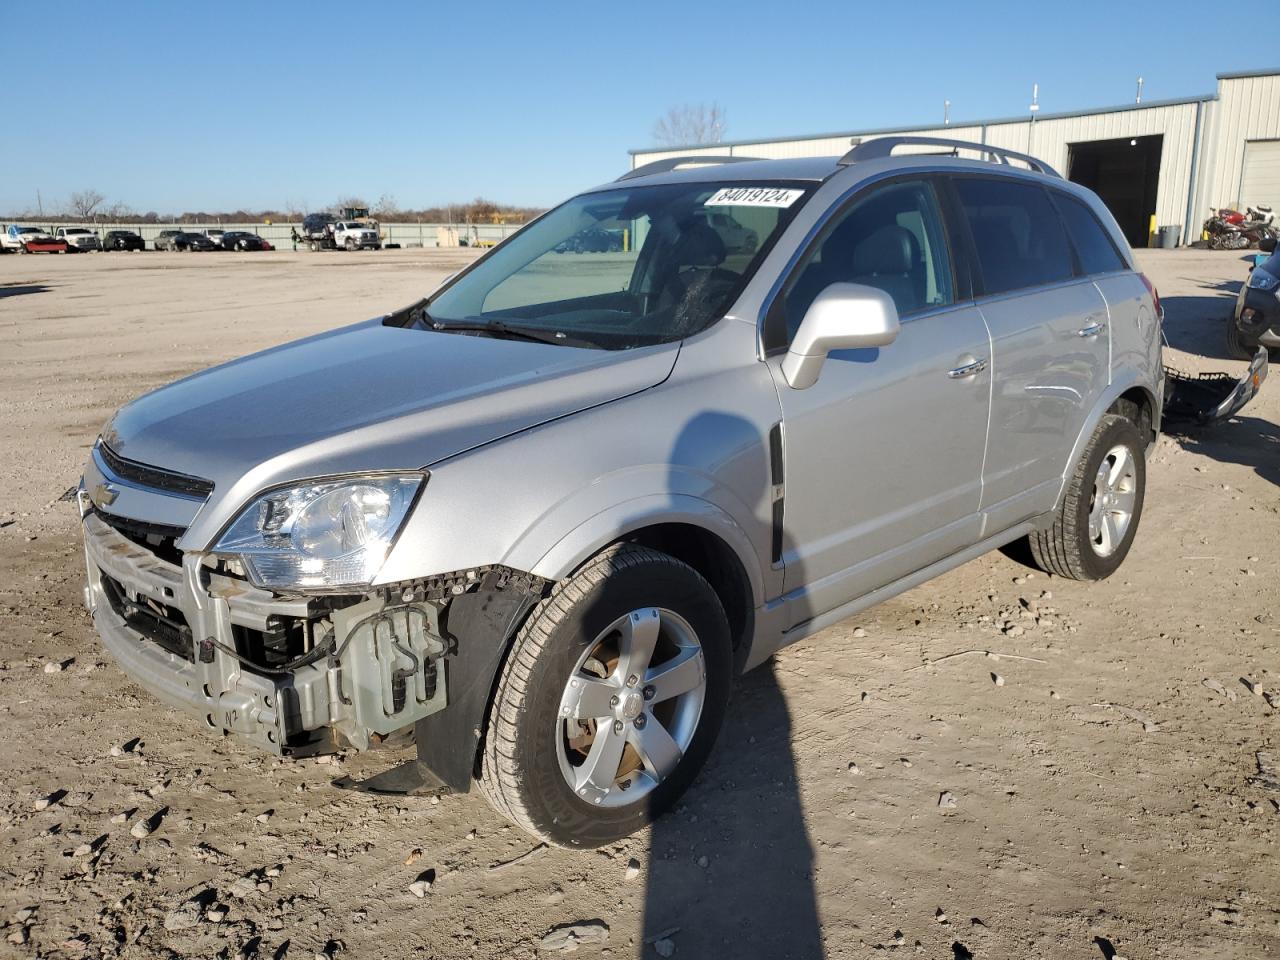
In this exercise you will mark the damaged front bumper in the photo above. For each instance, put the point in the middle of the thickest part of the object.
(375, 665)
(1207, 398)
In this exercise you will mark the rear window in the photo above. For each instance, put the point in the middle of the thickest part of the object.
(1097, 252)
(1019, 238)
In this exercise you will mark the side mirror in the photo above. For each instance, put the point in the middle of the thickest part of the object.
(844, 316)
(1267, 244)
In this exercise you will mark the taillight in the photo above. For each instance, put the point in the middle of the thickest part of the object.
(1155, 297)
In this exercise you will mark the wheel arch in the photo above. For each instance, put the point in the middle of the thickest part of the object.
(1125, 396)
(689, 528)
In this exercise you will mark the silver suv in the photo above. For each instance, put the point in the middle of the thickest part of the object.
(544, 516)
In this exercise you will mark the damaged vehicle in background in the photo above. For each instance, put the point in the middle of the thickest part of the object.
(544, 516)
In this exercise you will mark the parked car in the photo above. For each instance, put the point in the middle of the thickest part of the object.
(123, 240)
(243, 240)
(193, 241)
(164, 239)
(544, 517)
(1256, 320)
(216, 235)
(356, 235)
(20, 239)
(590, 240)
(78, 239)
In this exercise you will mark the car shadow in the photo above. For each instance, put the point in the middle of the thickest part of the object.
(22, 289)
(1248, 441)
(731, 866)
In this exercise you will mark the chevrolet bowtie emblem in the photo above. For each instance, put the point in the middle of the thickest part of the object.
(104, 494)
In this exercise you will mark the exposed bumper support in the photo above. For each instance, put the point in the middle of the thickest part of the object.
(382, 670)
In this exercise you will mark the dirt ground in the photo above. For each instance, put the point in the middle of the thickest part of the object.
(1096, 792)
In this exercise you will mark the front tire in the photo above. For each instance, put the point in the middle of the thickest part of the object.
(610, 700)
(1098, 518)
(1236, 347)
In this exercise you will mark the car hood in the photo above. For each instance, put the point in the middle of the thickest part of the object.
(368, 397)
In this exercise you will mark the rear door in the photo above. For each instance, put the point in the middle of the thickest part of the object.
(1133, 328)
(1050, 342)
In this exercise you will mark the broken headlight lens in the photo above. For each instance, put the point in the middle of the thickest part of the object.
(318, 536)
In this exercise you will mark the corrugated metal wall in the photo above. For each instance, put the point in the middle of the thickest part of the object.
(1050, 140)
(1246, 108)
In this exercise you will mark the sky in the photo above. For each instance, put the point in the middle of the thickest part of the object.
(178, 107)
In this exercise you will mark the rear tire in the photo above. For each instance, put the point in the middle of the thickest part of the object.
(580, 645)
(1096, 522)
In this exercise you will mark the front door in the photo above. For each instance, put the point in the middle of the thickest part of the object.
(883, 455)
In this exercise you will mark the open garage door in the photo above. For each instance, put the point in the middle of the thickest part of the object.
(1260, 182)
(1125, 173)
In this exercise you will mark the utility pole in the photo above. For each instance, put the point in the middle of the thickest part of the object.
(1034, 108)
(1138, 98)
(39, 204)
(946, 113)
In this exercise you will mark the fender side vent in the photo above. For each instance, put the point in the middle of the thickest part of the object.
(778, 489)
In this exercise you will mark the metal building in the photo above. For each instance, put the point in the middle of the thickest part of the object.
(1173, 160)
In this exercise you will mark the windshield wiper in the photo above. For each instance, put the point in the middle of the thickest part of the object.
(498, 328)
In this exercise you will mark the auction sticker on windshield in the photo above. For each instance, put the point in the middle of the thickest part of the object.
(753, 197)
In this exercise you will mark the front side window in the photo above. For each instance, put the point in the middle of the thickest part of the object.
(891, 239)
(1096, 250)
(626, 267)
(1017, 235)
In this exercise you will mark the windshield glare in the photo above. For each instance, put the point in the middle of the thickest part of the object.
(627, 267)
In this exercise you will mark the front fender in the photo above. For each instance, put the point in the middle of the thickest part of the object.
(589, 537)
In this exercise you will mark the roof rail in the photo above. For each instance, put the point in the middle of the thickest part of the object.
(882, 147)
(674, 163)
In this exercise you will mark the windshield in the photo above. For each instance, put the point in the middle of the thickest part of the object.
(76, 230)
(30, 230)
(626, 267)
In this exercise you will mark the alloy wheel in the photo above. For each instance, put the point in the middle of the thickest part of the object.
(1114, 496)
(631, 706)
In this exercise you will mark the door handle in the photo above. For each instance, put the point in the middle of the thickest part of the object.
(967, 369)
(1094, 328)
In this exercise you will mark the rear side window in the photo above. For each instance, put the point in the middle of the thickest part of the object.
(1019, 239)
(1097, 253)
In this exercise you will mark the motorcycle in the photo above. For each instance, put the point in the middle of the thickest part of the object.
(1229, 229)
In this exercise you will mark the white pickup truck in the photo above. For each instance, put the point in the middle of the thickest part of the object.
(19, 239)
(356, 235)
(79, 239)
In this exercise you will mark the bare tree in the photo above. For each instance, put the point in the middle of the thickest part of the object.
(85, 202)
(386, 208)
(690, 124)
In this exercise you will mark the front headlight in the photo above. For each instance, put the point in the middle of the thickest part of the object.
(1261, 280)
(321, 535)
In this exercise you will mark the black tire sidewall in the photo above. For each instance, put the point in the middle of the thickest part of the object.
(1118, 431)
(552, 805)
